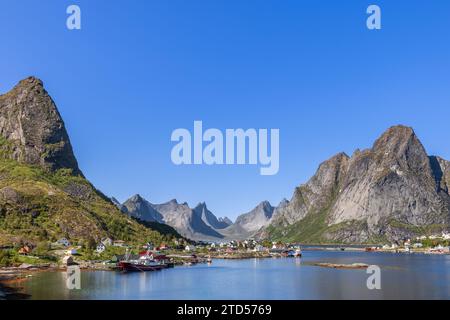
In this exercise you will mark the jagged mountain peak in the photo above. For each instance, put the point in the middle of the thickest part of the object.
(393, 135)
(208, 217)
(30, 82)
(201, 205)
(388, 191)
(283, 203)
(400, 145)
(137, 197)
(198, 223)
(265, 205)
(31, 123)
(257, 218)
(336, 163)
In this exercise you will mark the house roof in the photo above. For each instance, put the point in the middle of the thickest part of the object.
(120, 257)
(67, 258)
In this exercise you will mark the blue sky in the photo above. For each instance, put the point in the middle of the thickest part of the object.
(140, 69)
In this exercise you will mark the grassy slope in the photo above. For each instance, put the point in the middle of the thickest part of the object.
(36, 205)
(315, 229)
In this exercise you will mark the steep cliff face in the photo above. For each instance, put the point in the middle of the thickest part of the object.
(141, 209)
(391, 191)
(209, 218)
(248, 224)
(30, 121)
(394, 180)
(441, 173)
(256, 218)
(181, 217)
(316, 194)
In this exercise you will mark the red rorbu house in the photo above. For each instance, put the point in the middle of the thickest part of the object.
(162, 246)
(24, 250)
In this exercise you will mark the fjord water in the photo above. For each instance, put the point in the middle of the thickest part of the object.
(403, 276)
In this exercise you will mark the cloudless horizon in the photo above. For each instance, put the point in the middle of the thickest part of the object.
(137, 70)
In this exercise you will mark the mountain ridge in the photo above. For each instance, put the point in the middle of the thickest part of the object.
(388, 192)
(194, 223)
(385, 193)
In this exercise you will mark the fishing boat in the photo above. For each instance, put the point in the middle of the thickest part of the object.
(298, 253)
(146, 262)
(133, 266)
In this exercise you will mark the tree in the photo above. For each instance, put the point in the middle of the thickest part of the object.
(42, 249)
(91, 244)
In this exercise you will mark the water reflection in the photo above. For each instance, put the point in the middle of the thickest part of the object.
(403, 277)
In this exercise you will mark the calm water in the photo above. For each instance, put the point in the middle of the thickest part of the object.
(404, 276)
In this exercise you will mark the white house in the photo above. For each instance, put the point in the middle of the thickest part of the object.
(64, 242)
(417, 245)
(107, 242)
(259, 248)
(101, 248)
(189, 248)
(445, 236)
(119, 243)
(72, 252)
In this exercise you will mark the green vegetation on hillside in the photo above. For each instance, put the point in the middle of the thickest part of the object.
(37, 205)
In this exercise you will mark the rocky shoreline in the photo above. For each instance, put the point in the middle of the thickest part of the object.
(11, 276)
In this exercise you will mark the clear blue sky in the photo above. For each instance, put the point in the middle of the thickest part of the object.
(139, 69)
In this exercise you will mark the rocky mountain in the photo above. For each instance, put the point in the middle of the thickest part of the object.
(194, 223)
(141, 209)
(31, 123)
(391, 191)
(210, 219)
(247, 224)
(43, 193)
(257, 218)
